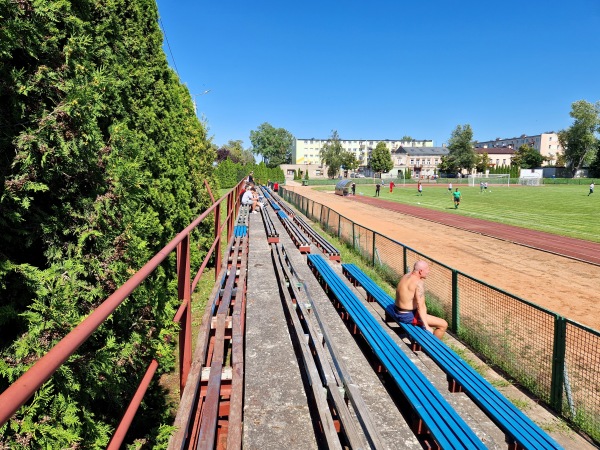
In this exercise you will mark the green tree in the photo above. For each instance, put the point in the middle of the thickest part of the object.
(483, 163)
(527, 157)
(247, 157)
(332, 154)
(274, 144)
(580, 140)
(381, 159)
(561, 160)
(595, 164)
(447, 165)
(227, 173)
(349, 161)
(460, 146)
(234, 150)
(103, 163)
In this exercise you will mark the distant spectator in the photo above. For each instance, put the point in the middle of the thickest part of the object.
(353, 188)
(377, 189)
(250, 199)
(392, 186)
(450, 188)
(250, 178)
(591, 188)
(420, 189)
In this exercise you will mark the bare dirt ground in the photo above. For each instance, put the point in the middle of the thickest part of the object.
(568, 287)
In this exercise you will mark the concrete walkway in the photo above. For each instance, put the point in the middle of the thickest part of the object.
(276, 411)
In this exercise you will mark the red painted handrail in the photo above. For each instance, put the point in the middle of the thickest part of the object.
(23, 388)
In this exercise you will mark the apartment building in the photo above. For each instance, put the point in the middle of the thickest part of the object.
(306, 151)
(546, 143)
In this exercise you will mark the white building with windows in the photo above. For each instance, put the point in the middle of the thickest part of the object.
(546, 143)
(497, 156)
(421, 161)
(306, 151)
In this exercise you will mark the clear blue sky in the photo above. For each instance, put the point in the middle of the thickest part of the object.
(383, 69)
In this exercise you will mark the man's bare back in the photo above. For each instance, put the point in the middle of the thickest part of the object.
(410, 298)
(408, 290)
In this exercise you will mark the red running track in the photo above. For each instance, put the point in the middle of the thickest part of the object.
(579, 249)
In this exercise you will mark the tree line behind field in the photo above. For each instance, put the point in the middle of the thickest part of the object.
(580, 143)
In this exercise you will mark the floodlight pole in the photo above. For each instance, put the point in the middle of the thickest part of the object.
(194, 99)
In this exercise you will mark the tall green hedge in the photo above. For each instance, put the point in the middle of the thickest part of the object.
(102, 163)
(229, 173)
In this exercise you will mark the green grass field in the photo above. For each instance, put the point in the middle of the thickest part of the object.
(560, 209)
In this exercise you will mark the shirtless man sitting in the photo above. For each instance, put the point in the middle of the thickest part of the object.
(410, 301)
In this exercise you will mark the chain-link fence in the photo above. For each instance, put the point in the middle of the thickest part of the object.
(558, 360)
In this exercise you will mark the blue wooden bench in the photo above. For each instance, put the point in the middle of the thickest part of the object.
(240, 230)
(445, 426)
(521, 431)
(276, 198)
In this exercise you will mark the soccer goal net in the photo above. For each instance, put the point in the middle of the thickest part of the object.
(496, 179)
(531, 177)
(530, 181)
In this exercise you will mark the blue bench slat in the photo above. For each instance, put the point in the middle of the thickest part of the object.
(240, 230)
(485, 395)
(507, 416)
(440, 418)
(391, 356)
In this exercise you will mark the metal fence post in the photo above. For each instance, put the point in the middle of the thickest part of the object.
(328, 213)
(558, 363)
(339, 225)
(230, 218)
(455, 302)
(184, 290)
(353, 236)
(405, 262)
(218, 255)
(373, 258)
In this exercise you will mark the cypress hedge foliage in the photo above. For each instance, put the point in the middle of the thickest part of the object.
(102, 162)
(229, 173)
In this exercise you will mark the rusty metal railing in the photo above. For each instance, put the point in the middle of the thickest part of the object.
(17, 394)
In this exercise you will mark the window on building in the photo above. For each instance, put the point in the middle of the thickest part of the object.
(504, 162)
(550, 138)
(497, 162)
(412, 161)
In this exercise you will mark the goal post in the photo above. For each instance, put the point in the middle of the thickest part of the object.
(531, 177)
(401, 173)
(492, 179)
